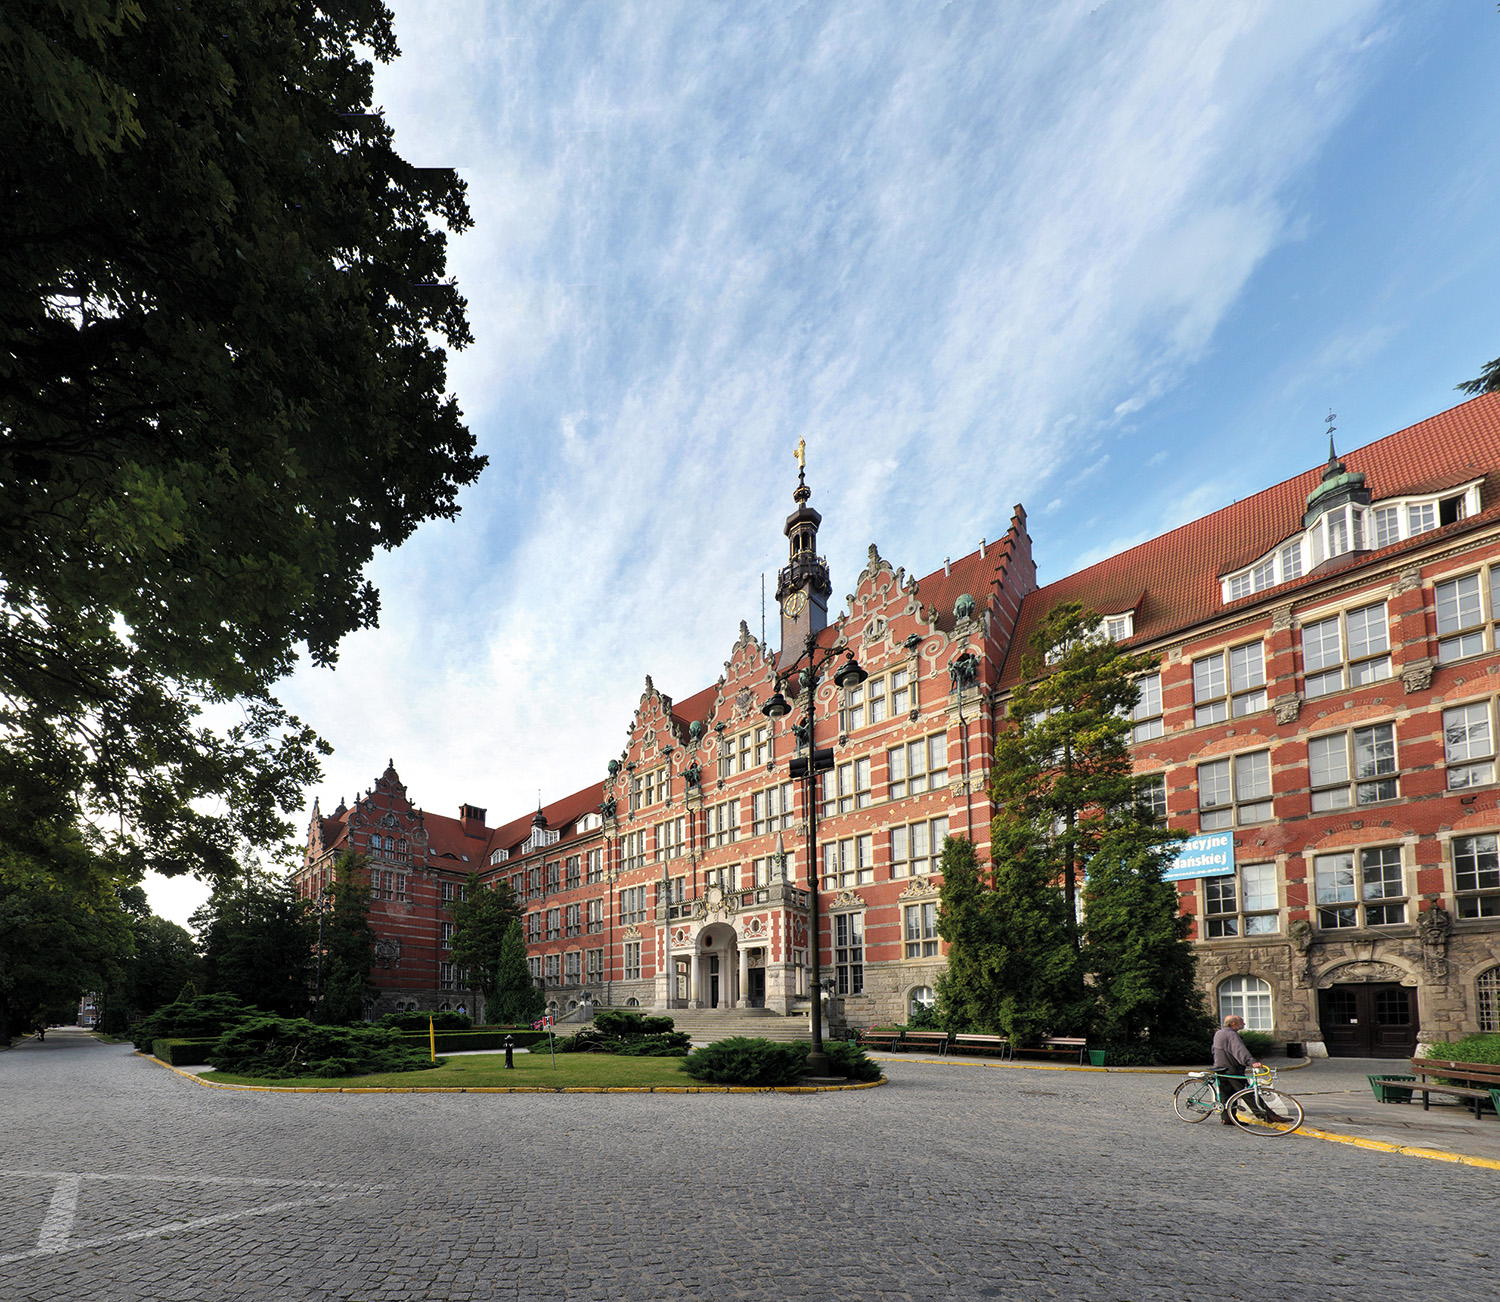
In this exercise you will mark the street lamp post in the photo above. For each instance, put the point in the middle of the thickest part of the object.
(807, 767)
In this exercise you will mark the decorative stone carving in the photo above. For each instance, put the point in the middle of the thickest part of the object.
(1417, 676)
(1288, 707)
(756, 958)
(848, 900)
(920, 888)
(874, 630)
(388, 951)
(1364, 971)
(1281, 619)
(1434, 926)
(1302, 935)
(1409, 578)
(632, 932)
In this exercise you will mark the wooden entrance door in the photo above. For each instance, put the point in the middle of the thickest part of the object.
(713, 982)
(757, 987)
(1369, 1021)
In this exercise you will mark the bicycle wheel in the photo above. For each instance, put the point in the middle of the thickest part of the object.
(1194, 1100)
(1271, 1113)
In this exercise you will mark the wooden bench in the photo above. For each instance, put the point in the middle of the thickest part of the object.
(928, 1039)
(1066, 1045)
(1481, 1080)
(983, 1044)
(880, 1039)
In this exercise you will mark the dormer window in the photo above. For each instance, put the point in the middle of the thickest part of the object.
(499, 856)
(540, 836)
(1119, 627)
(590, 823)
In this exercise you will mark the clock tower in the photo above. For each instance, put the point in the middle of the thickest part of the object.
(802, 588)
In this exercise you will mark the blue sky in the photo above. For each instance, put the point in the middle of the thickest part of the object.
(1112, 261)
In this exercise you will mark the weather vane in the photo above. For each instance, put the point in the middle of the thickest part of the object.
(801, 454)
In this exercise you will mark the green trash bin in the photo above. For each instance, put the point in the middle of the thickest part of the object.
(1386, 1093)
(1096, 1057)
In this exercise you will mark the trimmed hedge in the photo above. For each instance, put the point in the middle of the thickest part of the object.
(456, 1041)
(182, 1053)
(282, 1047)
(417, 1021)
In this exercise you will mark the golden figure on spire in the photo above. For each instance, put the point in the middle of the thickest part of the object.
(801, 454)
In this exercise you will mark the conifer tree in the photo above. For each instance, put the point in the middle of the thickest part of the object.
(348, 944)
(481, 923)
(516, 999)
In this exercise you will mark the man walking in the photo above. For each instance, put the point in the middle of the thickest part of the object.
(1232, 1058)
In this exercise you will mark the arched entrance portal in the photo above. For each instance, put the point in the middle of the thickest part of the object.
(715, 979)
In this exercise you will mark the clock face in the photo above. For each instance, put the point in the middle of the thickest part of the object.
(792, 606)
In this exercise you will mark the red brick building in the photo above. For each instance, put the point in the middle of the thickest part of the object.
(1323, 720)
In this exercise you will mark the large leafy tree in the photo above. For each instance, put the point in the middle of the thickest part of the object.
(222, 387)
(259, 941)
(481, 922)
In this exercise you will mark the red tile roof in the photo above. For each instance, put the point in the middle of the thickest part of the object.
(558, 815)
(1172, 582)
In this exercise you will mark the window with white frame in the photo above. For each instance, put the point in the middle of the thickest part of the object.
(921, 1000)
(1242, 903)
(765, 747)
(918, 766)
(596, 915)
(919, 929)
(1469, 745)
(572, 871)
(1476, 876)
(573, 967)
(633, 905)
(1487, 999)
(724, 823)
(1229, 683)
(1385, 526)
(1360, 888)
(447, 934)
(727, 878)
(554, 878)
(1356, 767)
(595, 870)
(594, 965)
(552, 968)
(670, 839)
(771, 809)
(554, 924)
(533, 883)
(852, 709)
(1146, 717)
(647, 788)
(849, 953)
(534, 965)
(534, 927)
(1151, 797)
(849, 861)
(1249, 999)
(917, 848)
(1119, 627)
(1460, 618)
(632, 960)
(633, 853)
(1366, 634)
(573, 919)
(447, 976)
(888, 695)
(846, 787)
(498, 856)
(1234, 790)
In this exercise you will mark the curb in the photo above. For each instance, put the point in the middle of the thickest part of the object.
(1406, 1150)
(516, 1089)
(1054, 1066)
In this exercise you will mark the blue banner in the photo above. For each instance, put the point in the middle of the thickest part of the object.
(1209, 854)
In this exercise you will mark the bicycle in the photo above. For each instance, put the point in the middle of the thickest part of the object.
(1257, 1108)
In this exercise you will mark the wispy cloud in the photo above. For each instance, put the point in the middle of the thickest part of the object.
(946, 245)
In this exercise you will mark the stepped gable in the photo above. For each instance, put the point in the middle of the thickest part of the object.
(1172, 582)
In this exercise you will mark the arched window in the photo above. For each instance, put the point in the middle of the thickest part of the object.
(632, 1003)
(1487, 999)
(1248, 997)
(921, 999)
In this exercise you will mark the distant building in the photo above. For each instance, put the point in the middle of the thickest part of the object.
(1323, 721)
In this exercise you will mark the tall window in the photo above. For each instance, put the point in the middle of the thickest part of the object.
(596, 915)
(1151, 797)
(1235, 790)
(635, 849)
(1248, 998)
(573, 967)
(917, 848)
(572, 871)
(1146, 718)
(726, 878)
(1487, 999)
(554, 878)
(552, 964)
(1370, 880)
(765, 747)
(1460, 618)
(573, 919)
(1468, 745)
(632, 960)
(593, 966)
(852, 710)
(534, 927)
(448, 930)
(1242, 904)
(889, 695)
(595, 866)
(918, 766)
(1323, 660)
(632, 905)
(554, 923)
(1476, 876)
(534, 964)
(849, 952)
(919, 926)
(1368, 755)
(846, 787)
(669, 839)
(1229, 683)
(849, 862)
(724, 823)
(771, 809)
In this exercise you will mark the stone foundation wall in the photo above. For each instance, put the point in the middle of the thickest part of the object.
(887, 994)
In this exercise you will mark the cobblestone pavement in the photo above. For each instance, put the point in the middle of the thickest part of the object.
(955, 1182)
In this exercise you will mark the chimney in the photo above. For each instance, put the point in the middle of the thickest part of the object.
(946, 569)
(472, 818)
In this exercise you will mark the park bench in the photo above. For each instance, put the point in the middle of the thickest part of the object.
(884, 1038)
(928, 1039)
(1066, 1045)
(1481, 1082)
(983, 1044)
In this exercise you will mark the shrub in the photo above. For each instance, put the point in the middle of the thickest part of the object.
(1471, 1048)
(203, 1017)
(621, 1023)
(1258, 1042)
(850, 1060)
(182, 1053)
(745, 1061)
(417, 1021)
(1169, 1051)
(661, 1044)
(925, 1019)
(275, 1047)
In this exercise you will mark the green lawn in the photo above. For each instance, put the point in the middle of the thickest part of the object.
(532, 1070)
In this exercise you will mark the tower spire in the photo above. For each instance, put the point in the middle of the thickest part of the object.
(803, 587)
